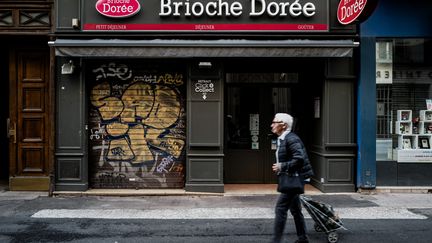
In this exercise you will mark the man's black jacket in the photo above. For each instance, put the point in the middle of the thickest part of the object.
(293, 157)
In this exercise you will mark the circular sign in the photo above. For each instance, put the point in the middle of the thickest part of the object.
(350, 10)
(118, 8)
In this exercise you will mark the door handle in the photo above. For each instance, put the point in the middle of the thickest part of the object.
(271, 136)
(11, 131)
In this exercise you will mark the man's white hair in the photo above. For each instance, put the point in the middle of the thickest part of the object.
(285, 118)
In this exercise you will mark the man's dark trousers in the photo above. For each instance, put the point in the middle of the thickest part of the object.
(291, 202)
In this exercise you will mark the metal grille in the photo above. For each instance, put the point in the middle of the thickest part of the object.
(384, 110)
(398, 96)
(410, 96)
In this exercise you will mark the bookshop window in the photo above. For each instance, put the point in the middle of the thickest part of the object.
(403, 96)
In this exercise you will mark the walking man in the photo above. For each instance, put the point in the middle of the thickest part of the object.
(291, 157)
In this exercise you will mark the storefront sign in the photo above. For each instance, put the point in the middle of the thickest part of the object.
(206, 15)
(204, 87)
(414, 156)
(225, 8)
(384, 73)
(350, 10)
(118, 8)
(412, 74)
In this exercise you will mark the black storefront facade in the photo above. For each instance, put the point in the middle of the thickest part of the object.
(180, 94)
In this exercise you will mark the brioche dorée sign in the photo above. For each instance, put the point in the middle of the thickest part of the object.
(118, 8)
(206, 15)
(350, 10)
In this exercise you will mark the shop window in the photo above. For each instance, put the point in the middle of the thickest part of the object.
(404, 100)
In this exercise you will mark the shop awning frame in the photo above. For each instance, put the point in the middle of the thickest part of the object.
(176, 48)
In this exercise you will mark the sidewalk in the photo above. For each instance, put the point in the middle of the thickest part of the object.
(234, 204)
(238, 201)
(230, 190)
(419, 198)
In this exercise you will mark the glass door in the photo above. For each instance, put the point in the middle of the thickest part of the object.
(249, 143)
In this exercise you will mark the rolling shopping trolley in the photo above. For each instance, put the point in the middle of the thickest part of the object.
(325, 218)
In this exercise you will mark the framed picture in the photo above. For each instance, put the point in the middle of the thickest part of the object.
(407, 129)
(424, 143)
(402, 129)
(404, 116)
(406, 143)
(429, 104)
(429, 128)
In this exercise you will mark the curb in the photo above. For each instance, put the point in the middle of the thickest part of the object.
(229, 192)
(397, 189)
(134, 193)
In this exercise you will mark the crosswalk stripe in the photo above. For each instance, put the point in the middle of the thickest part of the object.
(220, 213)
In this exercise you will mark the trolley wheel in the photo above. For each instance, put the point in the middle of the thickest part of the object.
(332, 237)
(318, 228)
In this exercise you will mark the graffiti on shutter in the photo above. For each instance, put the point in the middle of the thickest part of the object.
(136, 126)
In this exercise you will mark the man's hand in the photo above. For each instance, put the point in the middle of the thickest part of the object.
(276, 167)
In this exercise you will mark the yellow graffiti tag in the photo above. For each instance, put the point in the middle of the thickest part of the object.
(139, 145)
(117, 129)
(119, 150)
(166, 108)
(138, 100)
(98, 93)
(167, 78)
(170, 144)
(144, 113)
(109, 107)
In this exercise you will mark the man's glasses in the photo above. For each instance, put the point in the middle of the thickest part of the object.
(277, 122)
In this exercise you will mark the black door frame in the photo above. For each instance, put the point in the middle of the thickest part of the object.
(4, 114)
(265, 153)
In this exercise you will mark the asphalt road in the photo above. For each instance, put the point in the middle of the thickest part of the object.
(145, 219)
(229, 230)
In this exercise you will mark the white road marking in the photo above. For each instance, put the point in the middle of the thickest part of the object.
(220, 213)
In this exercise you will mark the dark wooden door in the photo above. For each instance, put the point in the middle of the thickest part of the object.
(4, 114)
(250, 145)
(28, 123)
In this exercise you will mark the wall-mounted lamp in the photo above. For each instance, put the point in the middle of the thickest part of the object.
(75, 23)
(204, 64)
(68, 68)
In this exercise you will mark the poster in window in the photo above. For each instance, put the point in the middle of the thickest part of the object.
(424, 143)
(405, 115)
(429, 104)
(407, 143)
(404, 129)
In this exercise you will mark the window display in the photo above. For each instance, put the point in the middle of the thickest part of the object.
(409, 139)
(404, 100)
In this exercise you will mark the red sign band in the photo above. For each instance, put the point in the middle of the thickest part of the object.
(206, 27)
